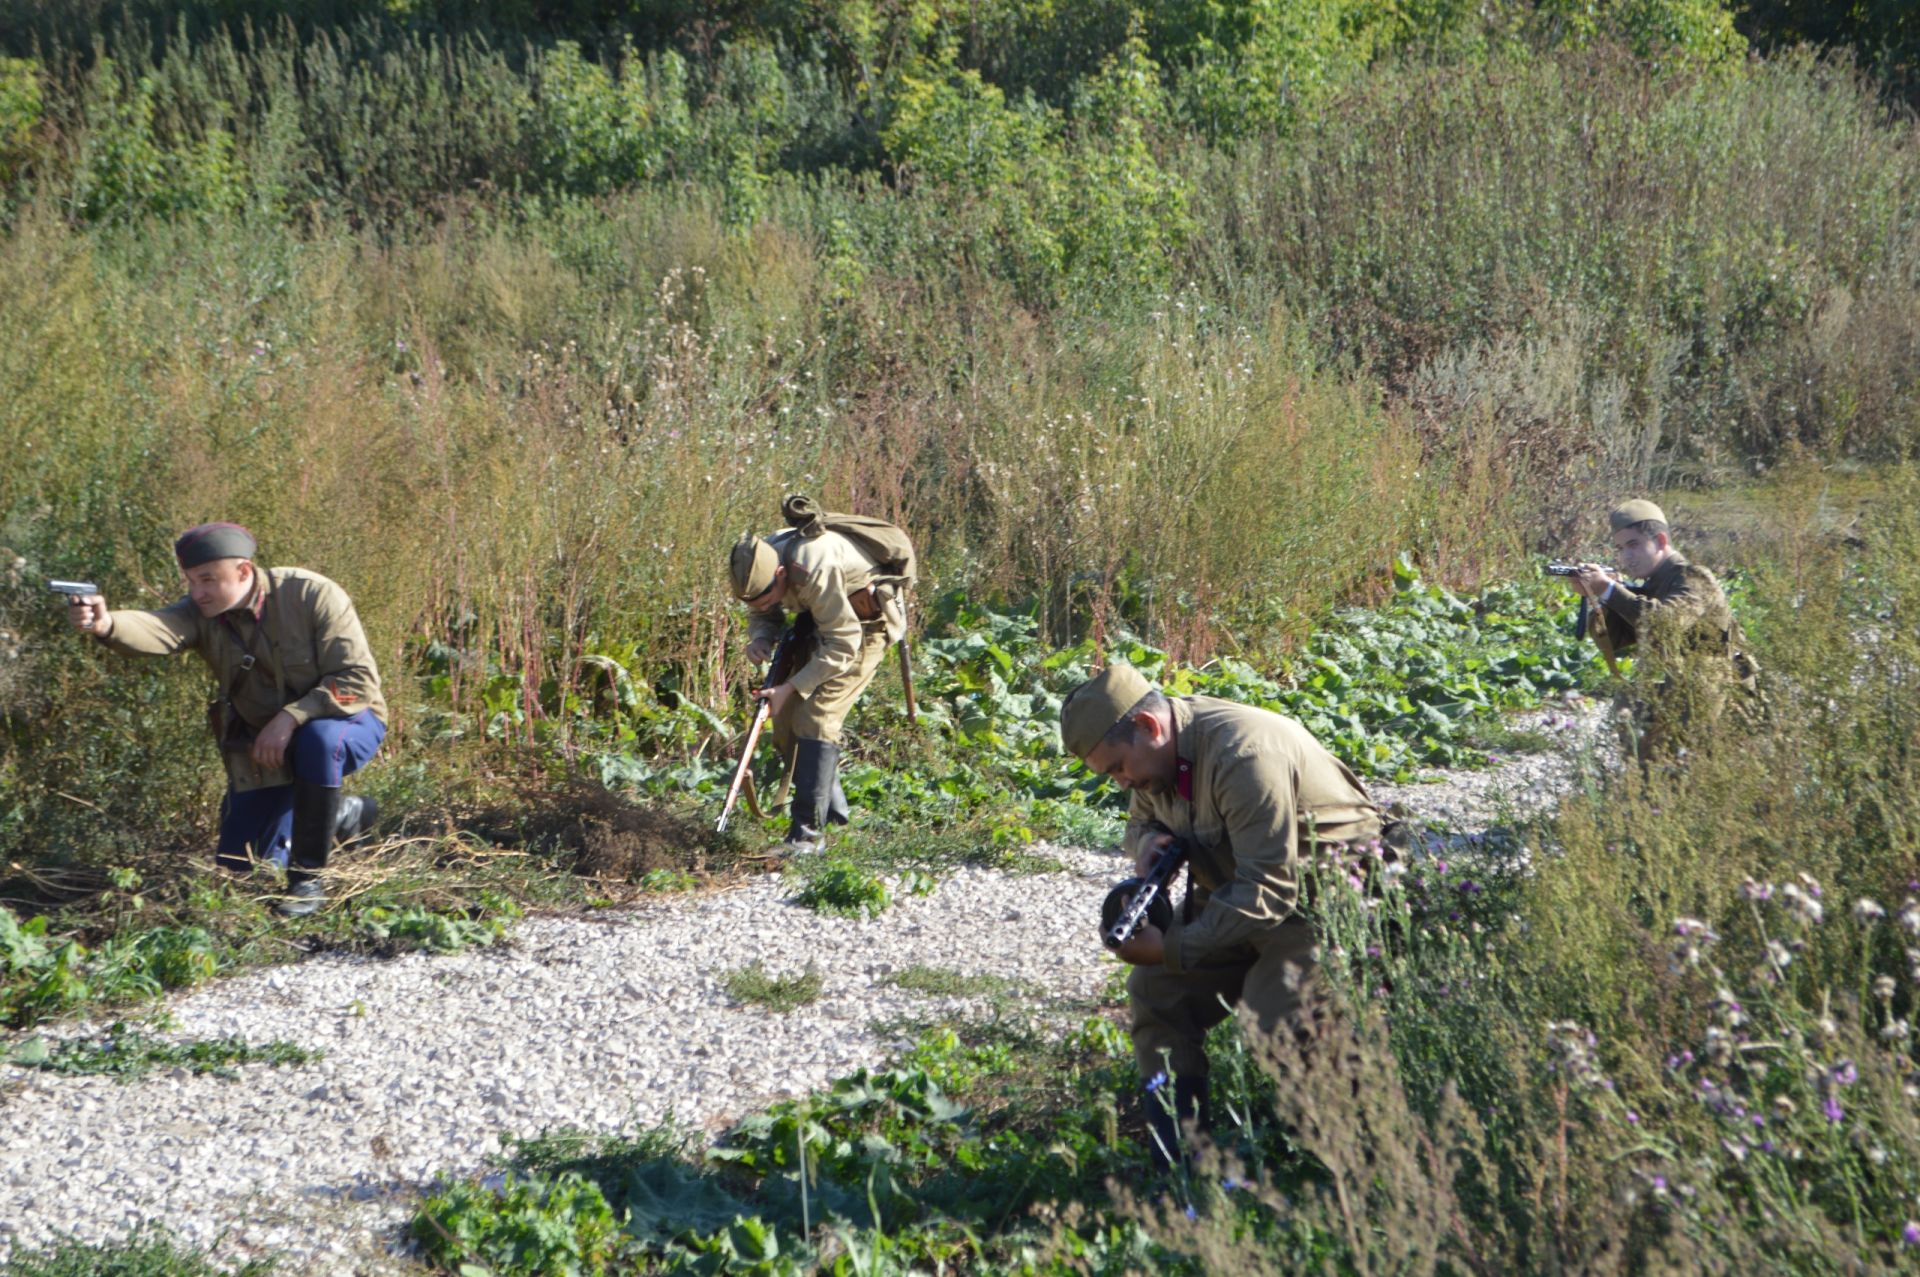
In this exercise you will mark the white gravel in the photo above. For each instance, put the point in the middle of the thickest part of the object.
(600, 1023)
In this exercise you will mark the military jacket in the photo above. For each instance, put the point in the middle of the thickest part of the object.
(1254, 790)
(310, 658)
(823, 573)
(1680, 611)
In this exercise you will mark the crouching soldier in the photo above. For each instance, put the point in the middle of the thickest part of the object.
(1679, 622)
(844, 577)
(298, 705)
(1249, 792)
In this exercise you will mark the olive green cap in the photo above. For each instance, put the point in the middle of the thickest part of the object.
(752, 565)
(1625, 516)
(1091, 709)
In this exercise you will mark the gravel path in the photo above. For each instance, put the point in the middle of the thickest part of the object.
(598, 1023)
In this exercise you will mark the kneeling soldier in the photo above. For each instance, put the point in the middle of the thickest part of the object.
(1249, 792)
(855, 603)
(298, 706)
(1679, 619)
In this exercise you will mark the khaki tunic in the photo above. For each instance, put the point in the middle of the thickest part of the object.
(311, 658)
(845, 653)
(1262, 790)
(1680, 620)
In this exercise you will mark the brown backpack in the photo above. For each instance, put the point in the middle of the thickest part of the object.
(887, 545)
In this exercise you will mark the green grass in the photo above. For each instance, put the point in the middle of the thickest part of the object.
(944, 982)
(755, 985)
(126, 1054)
(149, 1252)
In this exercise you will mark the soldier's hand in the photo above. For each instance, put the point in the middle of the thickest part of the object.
(1148, 948)
(759, 651)
(778, 698)
(270, 746)
(1592, 580)
(1150, 848)
(88, 612)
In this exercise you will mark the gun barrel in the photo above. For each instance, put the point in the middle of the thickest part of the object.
(73, 589)
(1557, 568)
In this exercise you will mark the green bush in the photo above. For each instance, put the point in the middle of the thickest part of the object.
(529, 1226)
(22, 107)
(839, 887)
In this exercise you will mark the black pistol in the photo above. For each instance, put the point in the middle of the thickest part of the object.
(1142, 901)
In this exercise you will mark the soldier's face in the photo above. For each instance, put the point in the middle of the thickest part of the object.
(219, 586)
(772, 596)
(1147, 763)
(1639, 553)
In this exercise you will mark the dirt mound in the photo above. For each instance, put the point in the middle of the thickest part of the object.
(608, 835)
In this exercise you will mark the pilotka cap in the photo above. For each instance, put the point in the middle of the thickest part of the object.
(212, 541)
(752, 566)
(1634, 512)
(1091, 709)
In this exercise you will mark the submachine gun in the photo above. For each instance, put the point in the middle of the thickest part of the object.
(1144, 901)
(778, 671)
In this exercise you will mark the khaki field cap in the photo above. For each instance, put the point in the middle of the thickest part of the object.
(752, 566)
(1635, 512)
(1091, 709)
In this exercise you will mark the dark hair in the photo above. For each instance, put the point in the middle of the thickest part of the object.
(1126, 731)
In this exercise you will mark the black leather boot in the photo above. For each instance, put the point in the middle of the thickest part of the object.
(816, 767)
(357, 817)
(316, 821)
(1172, 1111)
(838, 812)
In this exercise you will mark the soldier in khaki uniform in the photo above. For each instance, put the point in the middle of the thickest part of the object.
(1250, 792)
(298, 706)
(1678, 619)
(854, 611)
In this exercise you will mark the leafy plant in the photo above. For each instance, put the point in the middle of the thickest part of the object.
(837, 887)
(125, 1054)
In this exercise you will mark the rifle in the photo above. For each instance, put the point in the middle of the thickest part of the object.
(777, 672)
(1592, 620)
(1140, 901)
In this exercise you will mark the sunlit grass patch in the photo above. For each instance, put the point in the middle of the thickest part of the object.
(148, 1252)
(754, 984)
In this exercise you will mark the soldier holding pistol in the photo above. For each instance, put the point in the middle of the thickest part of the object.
(1249, 792)
(298, 707)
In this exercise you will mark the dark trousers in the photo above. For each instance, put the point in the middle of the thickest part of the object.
(324, 751)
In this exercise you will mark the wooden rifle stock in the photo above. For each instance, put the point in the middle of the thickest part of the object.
(778, 671)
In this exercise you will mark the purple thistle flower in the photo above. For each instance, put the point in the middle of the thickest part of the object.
(1911, 1234)
(1633, 1117)
(1766, 1146)
(1439, 866)
(1833, 1110)
(1192, 1213)
(1660, 1183)
(1845, 1074)
(1157, 1081)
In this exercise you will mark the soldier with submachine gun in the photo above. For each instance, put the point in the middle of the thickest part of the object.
(1240, 796)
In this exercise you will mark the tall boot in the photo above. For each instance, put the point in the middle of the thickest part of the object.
(816, 766)
(838, 812)
(357, 817)
(1172, 1111)
(316, 820)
